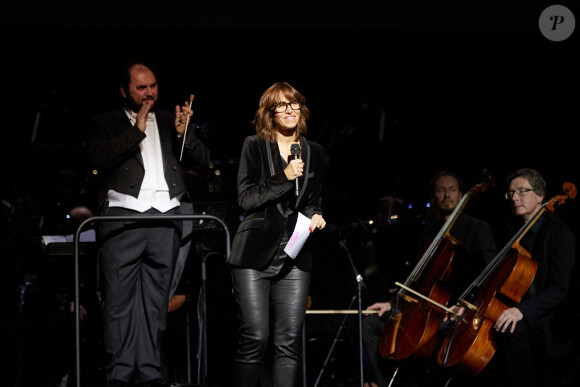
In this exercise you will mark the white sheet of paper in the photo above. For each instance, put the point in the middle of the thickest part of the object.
(299, 236)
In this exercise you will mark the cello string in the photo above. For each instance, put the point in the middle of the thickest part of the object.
(420, 267)
(497, 259)
(444, 231)
(425, 298)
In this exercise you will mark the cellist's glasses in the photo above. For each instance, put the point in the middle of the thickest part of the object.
(520, 192)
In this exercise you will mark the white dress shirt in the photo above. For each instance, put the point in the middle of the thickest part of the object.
(154, 192)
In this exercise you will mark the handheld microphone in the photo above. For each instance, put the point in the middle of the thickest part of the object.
(295, 152)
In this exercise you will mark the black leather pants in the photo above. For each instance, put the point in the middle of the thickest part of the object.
(284, 292)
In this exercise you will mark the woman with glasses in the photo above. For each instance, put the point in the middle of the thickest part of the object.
(279, 177)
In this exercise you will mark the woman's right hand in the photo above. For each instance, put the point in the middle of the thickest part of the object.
(294, 169)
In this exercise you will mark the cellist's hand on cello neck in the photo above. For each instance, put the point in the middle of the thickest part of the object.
(508, 316)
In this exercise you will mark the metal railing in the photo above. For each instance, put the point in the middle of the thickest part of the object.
(76, 264)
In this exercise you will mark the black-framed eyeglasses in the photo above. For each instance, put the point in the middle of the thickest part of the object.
(520, 192)
(281, 107)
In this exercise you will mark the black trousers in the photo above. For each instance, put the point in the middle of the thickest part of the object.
(282, 289)
(137, 260)
(372, 327)
(521, 356)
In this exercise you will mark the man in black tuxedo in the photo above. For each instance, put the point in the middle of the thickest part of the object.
(136, 152)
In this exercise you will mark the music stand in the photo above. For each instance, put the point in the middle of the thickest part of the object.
(202, 357)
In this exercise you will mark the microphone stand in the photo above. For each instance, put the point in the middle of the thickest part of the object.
(329, 354)
(360, 284)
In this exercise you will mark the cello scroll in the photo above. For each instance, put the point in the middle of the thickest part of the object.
(569, 193)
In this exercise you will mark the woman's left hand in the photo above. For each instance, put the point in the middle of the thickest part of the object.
(317, 222)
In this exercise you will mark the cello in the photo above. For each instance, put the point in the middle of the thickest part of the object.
(471, 345)
(412, 328)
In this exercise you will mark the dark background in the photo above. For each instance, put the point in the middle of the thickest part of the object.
(397, 93)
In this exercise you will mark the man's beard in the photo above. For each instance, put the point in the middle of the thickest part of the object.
(446, 210)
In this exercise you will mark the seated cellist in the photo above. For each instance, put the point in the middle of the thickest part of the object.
(477, 241)
(526, 332)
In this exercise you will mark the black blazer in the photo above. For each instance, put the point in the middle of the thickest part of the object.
(114, 153)
(552, 243)
(263, 194)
